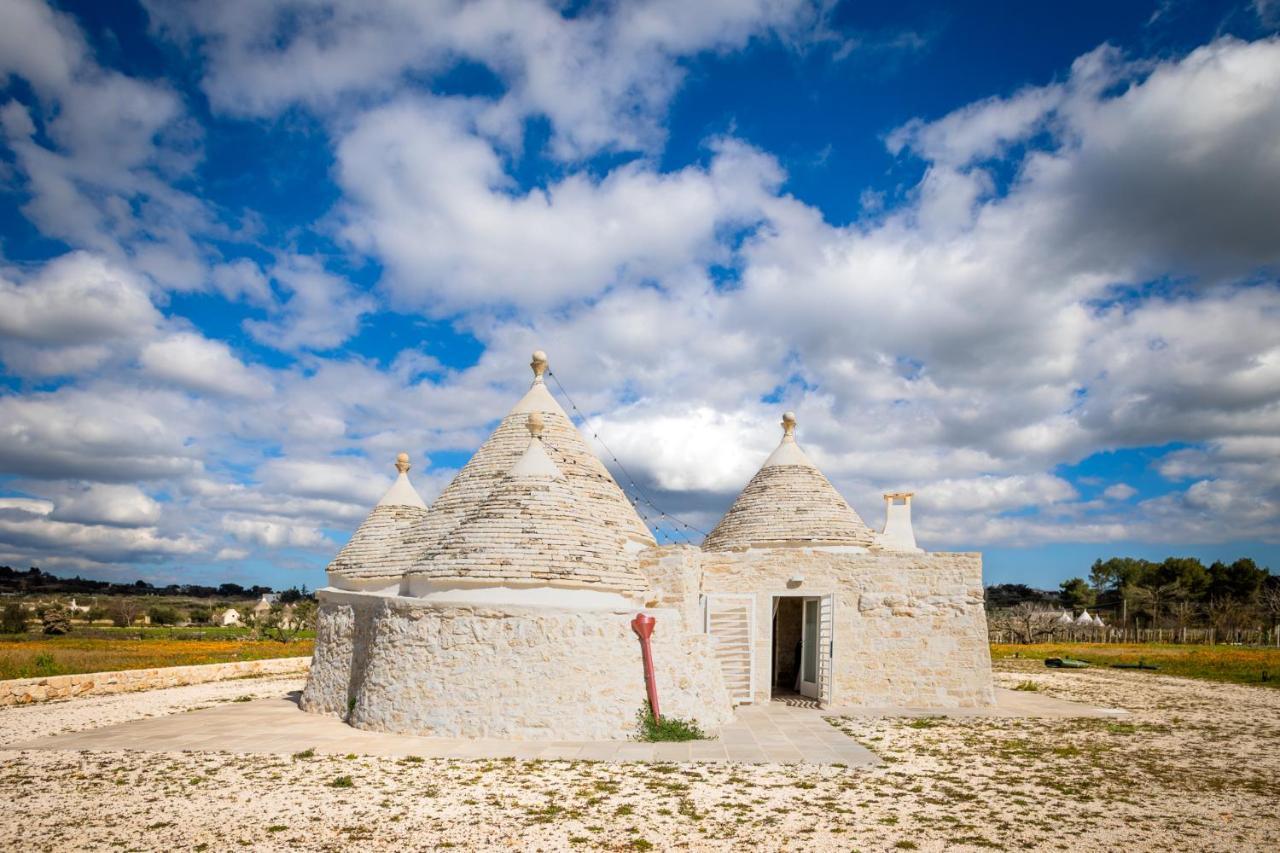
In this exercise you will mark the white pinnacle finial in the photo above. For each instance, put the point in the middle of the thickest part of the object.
(539, 365)
(535, 424)
(402, 463)
(788, 426)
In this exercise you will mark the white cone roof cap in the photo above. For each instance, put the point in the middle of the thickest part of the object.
(377, 548)
(788, 503)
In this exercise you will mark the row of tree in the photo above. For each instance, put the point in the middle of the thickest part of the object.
(35, 580)
(1179, 592)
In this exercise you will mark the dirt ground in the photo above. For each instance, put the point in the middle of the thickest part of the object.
(1196, 767)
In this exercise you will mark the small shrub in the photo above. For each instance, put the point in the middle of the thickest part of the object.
(667, 728)
(44, 664)
(13, 620)
(160, 615)
(1028, 687)
(56, 621)
(310, 752)
(342, 782)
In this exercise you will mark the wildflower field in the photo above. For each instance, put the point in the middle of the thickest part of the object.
(1257, 665)
(31, 655)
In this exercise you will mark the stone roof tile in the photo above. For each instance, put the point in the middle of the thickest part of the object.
(788, 502)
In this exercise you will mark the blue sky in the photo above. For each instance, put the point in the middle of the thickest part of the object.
(1020, 262)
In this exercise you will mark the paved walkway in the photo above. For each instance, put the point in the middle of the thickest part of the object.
(775, 733)
(772, 733)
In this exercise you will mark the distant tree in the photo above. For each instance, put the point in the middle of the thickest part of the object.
(1269, 601)
(1240, 581)
(231, 590)
(1228, 615)
(1188, 573)
(284, 622)
(293, 595)
(200, 615)
(1116, 573)
(1154, 594)
(124, 612)
(1078, 595)
(1004, 595)
(1027, 622)
(56, 621)
(13, 620)
(97, 613)
(161, 615)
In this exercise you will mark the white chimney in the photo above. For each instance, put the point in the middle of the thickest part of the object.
(897, 534)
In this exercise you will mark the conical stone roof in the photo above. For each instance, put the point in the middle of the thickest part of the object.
(788, 503)
(598, 494)
(377, 548)
(534, 528)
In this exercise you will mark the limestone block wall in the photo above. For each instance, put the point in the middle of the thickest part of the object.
(344, 625)
(674, 576)
(532, 673)
(22, 691)
(909, 630)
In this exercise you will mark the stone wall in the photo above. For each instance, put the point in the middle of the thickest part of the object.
(21, 691)
(674, 574)
(910, 629)
(344, 624)
(453, 670)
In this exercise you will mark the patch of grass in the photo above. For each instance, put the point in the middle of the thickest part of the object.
(342, 782)
(1227, 664)
(1027, 686)
(277, 827)
(243, 699)
(36, 655)
(309, 752)
(666, 729)
(924, 722)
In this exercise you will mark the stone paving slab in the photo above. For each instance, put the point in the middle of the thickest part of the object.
(757, 736)
(775, 733)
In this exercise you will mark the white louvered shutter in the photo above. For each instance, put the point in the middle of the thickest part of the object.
(730, 620)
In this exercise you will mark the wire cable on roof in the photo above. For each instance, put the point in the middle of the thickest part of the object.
(639, 491)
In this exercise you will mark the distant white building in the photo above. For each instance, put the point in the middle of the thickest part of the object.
(230, 618)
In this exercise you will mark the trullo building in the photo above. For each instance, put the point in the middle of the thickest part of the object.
(505, 609)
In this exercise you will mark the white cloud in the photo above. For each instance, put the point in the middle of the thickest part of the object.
(103, 503)
(274, 534)
(69, 315)
(322, 311)
(198, 364)
(34, 528)
(1119, 492)
(603, 76)
(433, 201)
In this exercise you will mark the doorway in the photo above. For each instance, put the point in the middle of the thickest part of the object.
(797, 669)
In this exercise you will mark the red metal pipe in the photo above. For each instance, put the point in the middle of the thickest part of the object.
(643, 626)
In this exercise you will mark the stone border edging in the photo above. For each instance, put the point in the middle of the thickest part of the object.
(24, 691)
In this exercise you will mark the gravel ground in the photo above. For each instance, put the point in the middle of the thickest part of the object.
(1196, 766)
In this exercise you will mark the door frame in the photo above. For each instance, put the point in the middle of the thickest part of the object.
(824, 693)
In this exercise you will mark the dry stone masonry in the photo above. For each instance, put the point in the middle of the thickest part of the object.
(504, 610)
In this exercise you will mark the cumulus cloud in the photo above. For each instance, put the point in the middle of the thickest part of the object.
(34, 527)
(273, 534)
(603, 76)
(433, 201)
(194, 362)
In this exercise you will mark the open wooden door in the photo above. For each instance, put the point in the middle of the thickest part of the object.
(826, 649)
